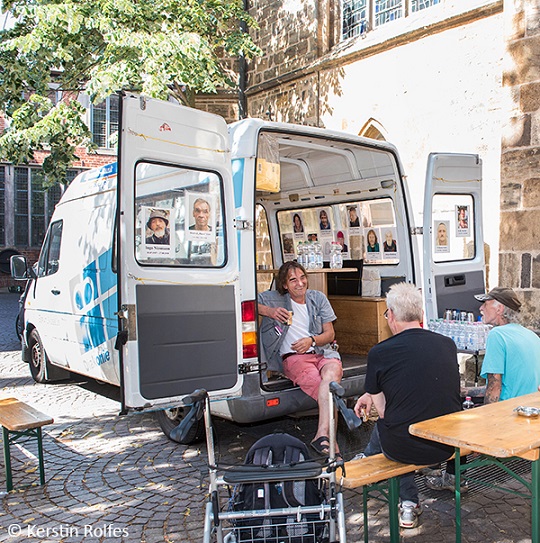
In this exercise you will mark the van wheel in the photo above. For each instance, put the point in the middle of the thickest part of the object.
(38, 358)
(18, 327)
(171, 418)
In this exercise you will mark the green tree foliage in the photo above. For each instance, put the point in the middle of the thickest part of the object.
(160, 48)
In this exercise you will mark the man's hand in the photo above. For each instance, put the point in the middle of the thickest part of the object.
(302, 345)
(363, 406)
(277, 313)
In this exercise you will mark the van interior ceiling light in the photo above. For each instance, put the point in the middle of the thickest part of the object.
(388, 184)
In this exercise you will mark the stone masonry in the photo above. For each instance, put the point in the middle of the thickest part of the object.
(520, 160)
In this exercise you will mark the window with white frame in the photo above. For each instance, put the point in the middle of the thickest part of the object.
(387, 11)
(417, 5)
(360, 16)
(104, 121)
(354, 18)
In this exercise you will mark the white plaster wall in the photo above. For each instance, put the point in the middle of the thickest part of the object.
(440, 93)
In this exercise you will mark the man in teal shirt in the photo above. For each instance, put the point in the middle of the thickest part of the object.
(511, 364)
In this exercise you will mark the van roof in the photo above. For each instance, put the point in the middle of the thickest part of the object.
(91, 182)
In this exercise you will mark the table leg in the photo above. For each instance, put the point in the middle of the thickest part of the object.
(393, 504)
(458, 495)
(535, 495)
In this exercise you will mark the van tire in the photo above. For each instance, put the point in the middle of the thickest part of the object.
(38, 358)
(171, 418)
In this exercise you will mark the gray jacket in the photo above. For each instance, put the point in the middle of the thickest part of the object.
(319, 311)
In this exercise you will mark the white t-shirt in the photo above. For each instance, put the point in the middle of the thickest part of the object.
(298, 329)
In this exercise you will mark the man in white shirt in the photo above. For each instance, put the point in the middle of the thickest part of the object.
(300, 346)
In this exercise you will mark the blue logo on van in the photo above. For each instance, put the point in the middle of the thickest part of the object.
(95, 299)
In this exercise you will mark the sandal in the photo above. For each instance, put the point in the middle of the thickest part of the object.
(321, 445)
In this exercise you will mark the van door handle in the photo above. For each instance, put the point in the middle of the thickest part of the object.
(56, 292)
(454, 281)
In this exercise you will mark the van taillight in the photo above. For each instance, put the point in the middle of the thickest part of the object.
(249, 330)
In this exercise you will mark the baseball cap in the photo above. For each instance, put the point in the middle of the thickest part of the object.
(504, 295)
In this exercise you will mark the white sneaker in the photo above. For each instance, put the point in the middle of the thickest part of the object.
(359, 456)
(409, 513)
(446, 481)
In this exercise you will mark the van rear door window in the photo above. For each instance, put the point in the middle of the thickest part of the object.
(179, 217)
(453, 227)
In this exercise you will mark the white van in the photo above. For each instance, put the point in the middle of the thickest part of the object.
(160, 313)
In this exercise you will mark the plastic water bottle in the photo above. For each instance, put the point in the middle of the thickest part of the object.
(301, 255)
(310, 257)
(319, 263)
(336, 260)
(468, 403)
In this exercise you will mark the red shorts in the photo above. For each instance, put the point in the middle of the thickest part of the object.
(304, 370)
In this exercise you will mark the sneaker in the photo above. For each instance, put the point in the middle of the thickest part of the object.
(359, 456)
(409, 513)
(446, 481)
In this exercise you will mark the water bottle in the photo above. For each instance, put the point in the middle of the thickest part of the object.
(336, 260)
(468, 403)
(310, 257)
(319, 263)
(300, 255)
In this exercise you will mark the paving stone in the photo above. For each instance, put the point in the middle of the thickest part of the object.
(103, 469)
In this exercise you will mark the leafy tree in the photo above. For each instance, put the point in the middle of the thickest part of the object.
(160, 48)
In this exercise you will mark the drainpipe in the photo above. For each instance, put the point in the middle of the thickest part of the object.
(242, 74)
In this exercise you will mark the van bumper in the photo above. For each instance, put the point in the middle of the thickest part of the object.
(257, 404)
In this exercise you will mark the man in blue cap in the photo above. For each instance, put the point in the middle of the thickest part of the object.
(511, 364)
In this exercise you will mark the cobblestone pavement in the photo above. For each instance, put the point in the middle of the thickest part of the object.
(114, 478)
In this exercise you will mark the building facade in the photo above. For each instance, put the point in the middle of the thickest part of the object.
(426, 75)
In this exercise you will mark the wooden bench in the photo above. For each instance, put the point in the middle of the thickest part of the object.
(378, 473)
(19, 420)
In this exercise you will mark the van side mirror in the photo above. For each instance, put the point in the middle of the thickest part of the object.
(19, 267)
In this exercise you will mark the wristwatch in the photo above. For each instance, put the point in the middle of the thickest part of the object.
(313, 342)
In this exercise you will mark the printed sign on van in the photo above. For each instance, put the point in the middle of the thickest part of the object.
(158, 241)
(201, 217)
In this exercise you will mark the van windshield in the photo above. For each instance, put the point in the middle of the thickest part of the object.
(179, 217)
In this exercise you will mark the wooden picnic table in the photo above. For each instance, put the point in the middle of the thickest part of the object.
(498, 433)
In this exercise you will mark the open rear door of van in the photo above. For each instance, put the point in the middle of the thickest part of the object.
(179, 300)
(453, 240)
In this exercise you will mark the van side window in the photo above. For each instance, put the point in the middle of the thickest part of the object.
(179, 217)
(264, 249)
(50, 252)
(452, 224)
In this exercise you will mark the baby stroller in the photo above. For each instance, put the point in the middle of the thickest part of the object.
(279, 495)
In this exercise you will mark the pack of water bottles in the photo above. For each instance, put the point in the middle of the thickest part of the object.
(309, 254)
(468, 336)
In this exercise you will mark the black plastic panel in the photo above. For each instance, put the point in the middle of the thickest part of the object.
(456, 291)
(186, 338)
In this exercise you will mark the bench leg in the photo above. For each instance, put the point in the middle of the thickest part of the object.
(365, 501)
(535, 495)
(393, 504)
(7, 460)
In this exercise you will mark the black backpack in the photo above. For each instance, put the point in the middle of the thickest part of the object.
(279, 449)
